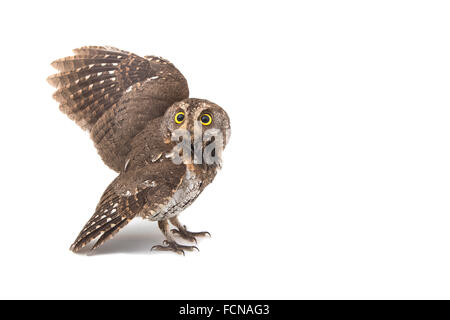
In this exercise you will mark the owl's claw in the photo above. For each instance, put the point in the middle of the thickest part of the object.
(183, 235)
(173, 246)
(188, 235)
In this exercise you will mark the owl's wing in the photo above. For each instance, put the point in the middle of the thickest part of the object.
(129, 194)
(113, 212)
(114, 93)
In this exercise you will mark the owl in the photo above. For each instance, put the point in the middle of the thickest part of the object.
(165, 146)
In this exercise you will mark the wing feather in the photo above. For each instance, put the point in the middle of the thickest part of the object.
(79, 61)
(126, 197)
(95, 86)
(111, 213)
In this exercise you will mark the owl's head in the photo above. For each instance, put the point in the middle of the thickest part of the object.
(197, 125)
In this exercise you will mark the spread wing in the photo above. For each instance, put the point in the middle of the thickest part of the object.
(113, 94)
(129, 194)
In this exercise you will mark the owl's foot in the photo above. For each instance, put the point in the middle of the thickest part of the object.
(188, 235)
(184, 233)
(170, 245)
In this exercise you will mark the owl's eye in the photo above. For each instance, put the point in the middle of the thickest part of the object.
(179, 117)
(206, 119)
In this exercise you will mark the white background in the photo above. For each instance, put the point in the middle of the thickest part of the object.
(335, 183)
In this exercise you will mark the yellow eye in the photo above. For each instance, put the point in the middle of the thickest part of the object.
(206, 119)
(179, 117)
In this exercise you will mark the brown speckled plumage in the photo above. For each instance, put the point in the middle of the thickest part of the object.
(128, 104)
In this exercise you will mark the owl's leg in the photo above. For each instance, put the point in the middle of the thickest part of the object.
(169, 244)
(184, 233)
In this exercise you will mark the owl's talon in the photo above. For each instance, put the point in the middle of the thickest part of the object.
(167, 248)
(173, 246)
(190, 236)
(184, 235)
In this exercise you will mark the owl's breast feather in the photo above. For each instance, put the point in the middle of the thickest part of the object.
(186, 192)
